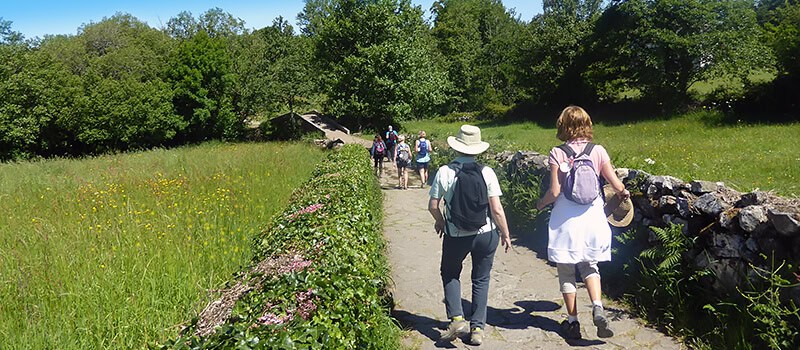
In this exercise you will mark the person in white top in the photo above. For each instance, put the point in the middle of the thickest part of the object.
(579, 235)
(481, 243)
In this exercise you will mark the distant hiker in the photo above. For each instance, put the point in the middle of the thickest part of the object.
(423, 148)
(378, 151)
(472, 223)
(403, 156)
(391, 142)
(579, 235)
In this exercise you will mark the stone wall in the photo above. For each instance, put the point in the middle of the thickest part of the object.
(733, 229)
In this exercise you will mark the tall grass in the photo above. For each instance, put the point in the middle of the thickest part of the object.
(116, 251)
(694, 146)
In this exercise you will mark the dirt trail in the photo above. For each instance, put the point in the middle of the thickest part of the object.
(524, 301)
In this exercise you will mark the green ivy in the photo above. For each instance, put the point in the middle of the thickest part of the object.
(333, 222)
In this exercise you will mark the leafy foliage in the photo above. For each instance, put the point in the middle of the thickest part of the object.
(376, 60)
(335, 220)
(662, 47)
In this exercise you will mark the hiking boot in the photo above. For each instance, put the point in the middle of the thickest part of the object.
(571, 330)
(456, 328)
(600, 320)
(476, 337)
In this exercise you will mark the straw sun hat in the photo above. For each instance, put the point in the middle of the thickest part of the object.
(619, 212)
(468, 141)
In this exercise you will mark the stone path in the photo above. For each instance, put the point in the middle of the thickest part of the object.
(524, 301)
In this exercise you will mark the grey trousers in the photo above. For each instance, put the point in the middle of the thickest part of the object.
(454, 250)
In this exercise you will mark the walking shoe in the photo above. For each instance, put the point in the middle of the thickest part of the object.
(571, 330)
(458, 326)
(476, 337)
(600, 320)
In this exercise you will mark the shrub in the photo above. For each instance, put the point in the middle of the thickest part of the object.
(319, 276)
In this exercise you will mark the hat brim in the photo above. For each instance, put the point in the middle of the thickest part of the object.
(612, 203)
(467, 149)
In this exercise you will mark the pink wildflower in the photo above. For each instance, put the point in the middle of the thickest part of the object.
(305, 303)
(298, 263)
(307, 210)
(270, 318)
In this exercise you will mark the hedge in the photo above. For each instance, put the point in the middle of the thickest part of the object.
(319, 277)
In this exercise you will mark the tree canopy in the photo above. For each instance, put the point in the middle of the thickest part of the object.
(119, 84)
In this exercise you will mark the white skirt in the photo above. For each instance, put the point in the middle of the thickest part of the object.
(578, 232)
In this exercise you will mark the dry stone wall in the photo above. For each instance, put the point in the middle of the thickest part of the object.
(733, 229)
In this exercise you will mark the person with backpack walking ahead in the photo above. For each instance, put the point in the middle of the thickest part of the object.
(423, 148)
(378, 151)
(579, 234)
(473, 222)
(391, 142)
(402, 152)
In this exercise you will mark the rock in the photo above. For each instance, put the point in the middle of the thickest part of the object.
(785, 223)
(668, 204)
(674, 205)
(753, 219)
(728, 196)
(683, 208)
(729, 274)
(665, 184)
(724, 245)
(750, 251)
(701, 187)
(708, 204)
(622, 173)
(505, 157)
(645, 206)
(652, 191)
(753, 198)
(672, 219)
(649, 222)
(729, 219)
(770, 246)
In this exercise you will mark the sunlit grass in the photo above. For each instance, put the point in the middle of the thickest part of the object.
(117, 251)
(691, 147)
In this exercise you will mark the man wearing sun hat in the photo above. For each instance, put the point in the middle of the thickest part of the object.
(457, 242)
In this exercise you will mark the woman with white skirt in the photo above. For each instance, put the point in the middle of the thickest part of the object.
(579, 234)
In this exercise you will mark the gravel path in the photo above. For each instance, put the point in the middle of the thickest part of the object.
(524, 301)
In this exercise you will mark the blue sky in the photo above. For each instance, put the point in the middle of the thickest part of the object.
(38, 17)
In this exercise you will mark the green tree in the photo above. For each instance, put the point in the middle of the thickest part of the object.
(785, 39)
(555, 52)
(479, 41)
(274, 69)
(200, 73)
(662, 47)
(376, 60)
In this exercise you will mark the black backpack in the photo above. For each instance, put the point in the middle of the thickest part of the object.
(468, 208)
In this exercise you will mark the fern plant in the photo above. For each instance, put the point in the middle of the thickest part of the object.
(672, 244)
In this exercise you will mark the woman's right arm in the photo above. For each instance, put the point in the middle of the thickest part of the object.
(611, 178)
(552, 193)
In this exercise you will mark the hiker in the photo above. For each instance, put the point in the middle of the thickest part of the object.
(472, 223)
(403, 156)
(423, 148)
(378, 151)
(579, 235)
(391, 142)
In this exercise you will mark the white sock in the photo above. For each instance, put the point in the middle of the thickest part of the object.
(572, 319)
(598, 303)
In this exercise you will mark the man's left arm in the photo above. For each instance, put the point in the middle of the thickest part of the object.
(436, 212)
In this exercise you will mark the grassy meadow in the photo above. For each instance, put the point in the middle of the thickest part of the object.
(693, 146)
(117, 251)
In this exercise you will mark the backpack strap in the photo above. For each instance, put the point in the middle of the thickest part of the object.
(568, 150)
(587, 150)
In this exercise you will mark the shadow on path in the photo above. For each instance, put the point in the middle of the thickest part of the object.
(519, 318)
